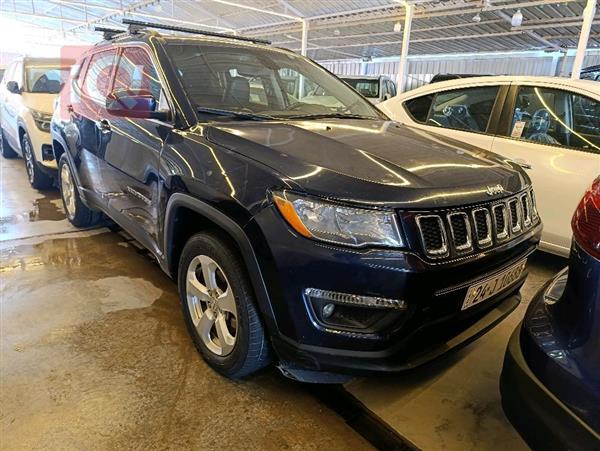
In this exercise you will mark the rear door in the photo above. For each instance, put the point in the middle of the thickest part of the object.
(132, 150)
(468, 114)
(555, 134)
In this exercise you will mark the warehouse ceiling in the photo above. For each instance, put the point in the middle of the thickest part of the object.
(338, 29)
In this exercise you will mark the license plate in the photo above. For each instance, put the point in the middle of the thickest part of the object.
(484, 290)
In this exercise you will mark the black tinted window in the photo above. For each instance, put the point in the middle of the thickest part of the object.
(463, 109)
(556, 117)
(419, 108)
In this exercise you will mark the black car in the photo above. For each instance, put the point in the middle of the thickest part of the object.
(550, 382)
(318, 233)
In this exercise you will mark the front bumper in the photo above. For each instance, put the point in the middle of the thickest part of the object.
(432, 325)
(539, 416)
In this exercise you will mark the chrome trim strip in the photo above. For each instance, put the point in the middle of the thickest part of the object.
(487, 241)
(526, 215)
(501, 235)
(515, 230)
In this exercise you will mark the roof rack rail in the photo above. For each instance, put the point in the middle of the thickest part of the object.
(109, 33)
(136, 25)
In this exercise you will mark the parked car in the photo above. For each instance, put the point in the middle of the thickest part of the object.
(551, 377)
(326, 238)
(445, 77)
(550, 126)
(376, 88)
(27, 94)
(590, 73)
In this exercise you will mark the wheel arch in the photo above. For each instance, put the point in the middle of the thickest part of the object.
(183, 210)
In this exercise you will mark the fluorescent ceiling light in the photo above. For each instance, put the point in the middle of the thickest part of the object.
(517, 19)
(258, 10)
(88, 6)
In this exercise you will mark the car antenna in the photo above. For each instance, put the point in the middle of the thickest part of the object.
(136, 25)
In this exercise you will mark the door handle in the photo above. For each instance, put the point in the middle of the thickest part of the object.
(103, 125)
(524, 164)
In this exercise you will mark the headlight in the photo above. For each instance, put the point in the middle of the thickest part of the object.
(336, 223)
(42, 120)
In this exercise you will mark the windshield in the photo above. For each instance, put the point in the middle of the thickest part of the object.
(368, 88)
(263, 82)
(46, 79)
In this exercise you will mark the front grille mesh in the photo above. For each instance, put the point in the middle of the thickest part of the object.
(433, 234)
(461, 231)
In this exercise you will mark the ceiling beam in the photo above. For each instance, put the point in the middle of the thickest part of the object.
(260, 10)
(395, 12)
(395, 33)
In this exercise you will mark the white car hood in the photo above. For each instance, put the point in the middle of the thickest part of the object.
(39, 101)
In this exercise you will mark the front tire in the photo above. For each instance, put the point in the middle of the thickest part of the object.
(219, 309)
(76, 211)
(7, 151)
(36, 177)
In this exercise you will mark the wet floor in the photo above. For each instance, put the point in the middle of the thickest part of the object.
(94, 352)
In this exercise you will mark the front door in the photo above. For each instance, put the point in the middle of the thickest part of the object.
(131, 156)
(555, 135)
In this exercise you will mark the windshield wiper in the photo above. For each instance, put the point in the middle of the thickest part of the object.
(328, 115)
(236, 114)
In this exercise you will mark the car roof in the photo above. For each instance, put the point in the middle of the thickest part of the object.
(587, 85)
(362, 77)
(33, 61)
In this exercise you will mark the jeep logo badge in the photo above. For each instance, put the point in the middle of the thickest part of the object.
(494, 189)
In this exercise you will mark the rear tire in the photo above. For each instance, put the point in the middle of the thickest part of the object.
(219, 309)
(7, 151)
(76, 211)
(37, 178)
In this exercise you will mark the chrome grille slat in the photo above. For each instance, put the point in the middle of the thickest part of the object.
(483, 226)
(500, 214)
(460, 231)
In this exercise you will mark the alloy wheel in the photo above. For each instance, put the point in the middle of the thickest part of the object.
(211, 304)
(68, 190)
(28, 159)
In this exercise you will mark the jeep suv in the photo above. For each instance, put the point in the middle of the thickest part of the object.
(27, 93)
(327, 238)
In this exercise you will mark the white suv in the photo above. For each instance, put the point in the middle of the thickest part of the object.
(548, 125)
(27, 93)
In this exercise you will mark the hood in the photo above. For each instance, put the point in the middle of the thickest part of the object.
(39, 101)
(372, 161)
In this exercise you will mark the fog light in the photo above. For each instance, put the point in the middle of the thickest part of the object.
(340, 312)
(328, 310)
(363, 301)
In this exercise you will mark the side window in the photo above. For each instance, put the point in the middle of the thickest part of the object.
(586, 123)
(17, 74)
(418, 108)
(392, 88)
(463, 109)
(97, 77)
(136, 71)
(556, 117)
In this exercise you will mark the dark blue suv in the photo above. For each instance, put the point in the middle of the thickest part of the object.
(551, 378)
(302, 224)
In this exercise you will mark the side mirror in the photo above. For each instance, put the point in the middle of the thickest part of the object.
(136, 103)
(13, 87)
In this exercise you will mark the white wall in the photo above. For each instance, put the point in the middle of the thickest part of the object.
(422, 68)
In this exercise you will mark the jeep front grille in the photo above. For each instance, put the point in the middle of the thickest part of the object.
(460, 231)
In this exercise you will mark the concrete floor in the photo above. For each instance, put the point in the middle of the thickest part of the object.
(94, 355)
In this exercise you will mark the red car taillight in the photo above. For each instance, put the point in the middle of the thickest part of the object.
(586, 220)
